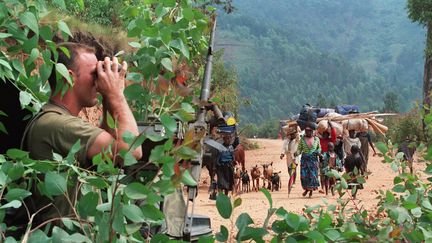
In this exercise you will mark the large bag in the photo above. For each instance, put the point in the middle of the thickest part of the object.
(324, 126)
(360, 125)
(347, 109)
(324, 111)
(308, 116)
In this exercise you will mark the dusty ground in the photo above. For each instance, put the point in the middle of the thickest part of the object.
(256, 204)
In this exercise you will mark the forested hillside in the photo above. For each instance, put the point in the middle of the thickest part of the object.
(288, 53)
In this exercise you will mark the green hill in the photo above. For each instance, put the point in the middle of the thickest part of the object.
(288, 53)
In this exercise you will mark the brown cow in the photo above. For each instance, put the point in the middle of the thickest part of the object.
(255, 174)
(267, 174)
(239, 156)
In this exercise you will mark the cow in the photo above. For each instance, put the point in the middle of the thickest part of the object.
(239, 156)
(255, 174)
(237, 178)
(245, 181)
(267, 173)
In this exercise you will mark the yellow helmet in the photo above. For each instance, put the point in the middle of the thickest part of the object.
(231, 121)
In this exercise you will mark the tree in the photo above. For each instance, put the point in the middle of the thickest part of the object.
(321, 100)
(421, 11)
(391, 103)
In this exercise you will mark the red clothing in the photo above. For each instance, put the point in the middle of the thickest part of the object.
(324, 141)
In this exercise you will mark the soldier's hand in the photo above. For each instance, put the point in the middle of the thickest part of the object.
(110, 82)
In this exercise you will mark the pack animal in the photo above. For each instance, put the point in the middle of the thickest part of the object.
(239, 156)
(245, 181)
(267, 173)
(237, 178)
(275, 181)
(255, 174)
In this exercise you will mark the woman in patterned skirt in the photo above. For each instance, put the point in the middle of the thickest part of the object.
(309, 148)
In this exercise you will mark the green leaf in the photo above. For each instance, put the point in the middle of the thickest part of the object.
(110, 121)
(87, 204)
(178, 44)
(324, 222)
(129, 159)
(75, 148)
(16, 153)
(293, 220)
(426, 204)
(166, 62)
(135, 44)
(5, 35)
(63, 27)
(80, 4)
(5, 64)
(332, 234)
(187, 179)
(243, 221)
(63, 71)
(382, 147)
(206, 239)
(38, 236)
(136, 190)
(17, 194)
(188, 13)
(152, 214)
(315, 236)
(25, 98)
(3, 128)
(160, 238)
(223, 205)
(399, 188)
(222, 235)
(133, 213)
(268, 196)
(13, 204)
(389, 197)
(237, 202)
(168, 122)
(30, 21)
(55, 184)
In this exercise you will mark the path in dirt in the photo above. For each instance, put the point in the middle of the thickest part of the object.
(256, 204)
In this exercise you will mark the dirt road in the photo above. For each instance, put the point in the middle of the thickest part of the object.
(256, 204)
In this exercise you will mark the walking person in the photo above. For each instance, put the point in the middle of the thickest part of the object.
(309, 148)
(225, 166)
(325, 139)
(330, 162)
(365, 142)
(289, 151)
(354, 163)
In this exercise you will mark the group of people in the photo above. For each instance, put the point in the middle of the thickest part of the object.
(318, 154)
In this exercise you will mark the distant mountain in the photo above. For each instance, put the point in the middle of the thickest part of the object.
(326, 52)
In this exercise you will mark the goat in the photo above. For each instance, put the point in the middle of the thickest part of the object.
(255, 174)
(275, 181)
(245, 181)
(267, 173)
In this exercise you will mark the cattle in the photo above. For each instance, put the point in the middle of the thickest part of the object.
(237, 178)
(275, 181)
(267, 173)
(255, 174)
(239, 156)
(245, 181)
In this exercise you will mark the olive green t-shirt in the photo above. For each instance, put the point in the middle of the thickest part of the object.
(57, 131)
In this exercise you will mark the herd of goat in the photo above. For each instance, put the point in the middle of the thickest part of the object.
(242, 180)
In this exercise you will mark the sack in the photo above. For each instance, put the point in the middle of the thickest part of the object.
(324, 111)
(303, 124)
(347, 109)
(360, 125)
(324, 126)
